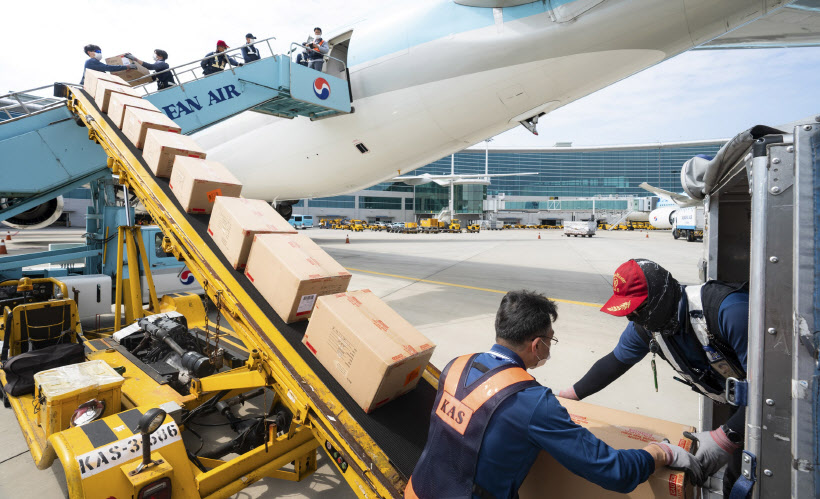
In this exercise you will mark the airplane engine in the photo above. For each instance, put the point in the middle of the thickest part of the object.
(36, 218)
(663, 218)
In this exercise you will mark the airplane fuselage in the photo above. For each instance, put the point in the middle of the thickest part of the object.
(432, 77)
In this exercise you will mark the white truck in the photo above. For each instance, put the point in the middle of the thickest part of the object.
(580, 228)
(689, 223)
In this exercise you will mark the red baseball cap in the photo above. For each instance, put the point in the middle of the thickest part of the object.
(629, 290)
(221, 43)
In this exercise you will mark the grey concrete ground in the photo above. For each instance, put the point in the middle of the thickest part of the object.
(449, 286)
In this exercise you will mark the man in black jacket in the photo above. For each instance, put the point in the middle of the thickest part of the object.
(250, 53)
(164, 80)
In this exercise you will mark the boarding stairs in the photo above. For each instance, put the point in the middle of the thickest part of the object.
(46, 154)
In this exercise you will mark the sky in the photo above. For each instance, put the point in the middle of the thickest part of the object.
(698, 95)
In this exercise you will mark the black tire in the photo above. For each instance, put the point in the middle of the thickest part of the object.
(690, 236)
(676, 234)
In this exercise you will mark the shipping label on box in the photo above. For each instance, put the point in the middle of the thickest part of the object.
(106, 88)
(132, 77)
(289, 270)
(162, 148)
(91, 77)
(138, 121)
(235, 221)
(374, 353)
(120, 102)
(196, 182)
(620, 430)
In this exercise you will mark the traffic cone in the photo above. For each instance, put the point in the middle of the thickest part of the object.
(8, 236)
(347, 239)
(3, 247)
(539, 235)
(647, 235)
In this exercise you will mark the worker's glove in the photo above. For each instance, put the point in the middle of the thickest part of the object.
(128, 55)
(678, 458)
(714, 449)
(568, 393)
(131, 66)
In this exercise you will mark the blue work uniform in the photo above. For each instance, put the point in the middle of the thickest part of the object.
(96, 65)
(526, 422)
(163, 80)
(250, 53)
(733, 319)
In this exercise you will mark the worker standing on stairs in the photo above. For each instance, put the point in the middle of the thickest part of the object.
(491, 419)
(164, 80)
(702, 331)
(95, 63)
(315, 51)
(250, 53)
(216, 61)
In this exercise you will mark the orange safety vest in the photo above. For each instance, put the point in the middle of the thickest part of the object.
(460, 416)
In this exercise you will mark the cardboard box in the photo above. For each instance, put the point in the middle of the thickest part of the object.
(132, 77)
(621, 430)
(91, 78)
(198, 182)
(370, 349)
(107, 88)
(235, 221)
(291, 271)
(137, 122)
(162, 148)
(120, 102)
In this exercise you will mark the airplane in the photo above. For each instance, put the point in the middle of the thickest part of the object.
(432, 77)
(456, 179)
(663, 216)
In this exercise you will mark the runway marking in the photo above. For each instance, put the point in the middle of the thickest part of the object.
(488, 290)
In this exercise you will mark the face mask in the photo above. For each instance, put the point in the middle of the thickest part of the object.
(156, 57)
(541, 361)
(98, 56)
(659, 313)
(318, 38)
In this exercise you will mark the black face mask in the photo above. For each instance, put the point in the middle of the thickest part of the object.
(659, 313)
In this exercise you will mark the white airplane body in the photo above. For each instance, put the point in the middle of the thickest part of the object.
(665, 213)
(432, 77)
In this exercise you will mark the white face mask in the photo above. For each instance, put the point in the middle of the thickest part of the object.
(156, 57)
(98, 56)
(317, 37)
(541, 361)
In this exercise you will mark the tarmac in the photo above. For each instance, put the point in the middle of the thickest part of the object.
(449, 286)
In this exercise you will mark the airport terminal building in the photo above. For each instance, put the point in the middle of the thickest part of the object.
(569, 181)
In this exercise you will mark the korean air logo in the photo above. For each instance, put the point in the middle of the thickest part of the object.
(321, 88)
(186, 277)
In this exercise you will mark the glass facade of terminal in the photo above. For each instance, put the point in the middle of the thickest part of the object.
(561, 173)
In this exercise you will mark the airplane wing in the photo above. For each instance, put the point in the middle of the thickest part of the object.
(426, 178)
(795, 25)
(681, 200)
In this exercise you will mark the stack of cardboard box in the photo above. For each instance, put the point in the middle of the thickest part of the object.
(369, 349)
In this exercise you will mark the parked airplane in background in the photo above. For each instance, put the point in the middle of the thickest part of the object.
(663, 216)
(431, 77)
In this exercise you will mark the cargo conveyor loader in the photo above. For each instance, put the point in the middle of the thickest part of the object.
(375, 453)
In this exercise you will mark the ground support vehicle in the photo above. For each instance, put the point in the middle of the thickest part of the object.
(583, 229)
(428, 225)
(374, 453)
(356, 225)
(689, 223)
(473, 228)
(763, 207)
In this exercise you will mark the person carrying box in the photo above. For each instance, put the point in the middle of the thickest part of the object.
(95, 63)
